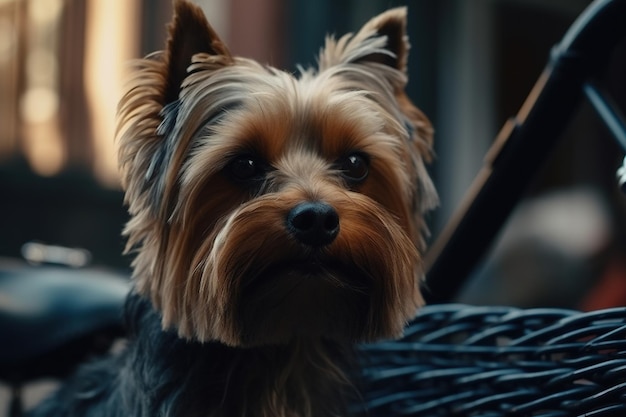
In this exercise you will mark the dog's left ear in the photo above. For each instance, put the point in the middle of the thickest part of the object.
(392, 25)
(382, 40)
(189, 33)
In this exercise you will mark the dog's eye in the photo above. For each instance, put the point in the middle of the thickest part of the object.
(354, 167)
(246, 168)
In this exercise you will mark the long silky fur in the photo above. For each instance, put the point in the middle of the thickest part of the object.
(161, 231)
(160, 374)
(213, 328)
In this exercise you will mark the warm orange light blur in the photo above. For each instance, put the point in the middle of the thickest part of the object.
(39, 103)
(112, 28)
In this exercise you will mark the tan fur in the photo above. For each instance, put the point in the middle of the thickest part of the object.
(201, 241)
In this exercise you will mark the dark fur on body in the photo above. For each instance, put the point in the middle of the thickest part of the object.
(276, 219)
(160, 374)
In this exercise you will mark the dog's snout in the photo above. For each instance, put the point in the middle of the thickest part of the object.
(313, 223)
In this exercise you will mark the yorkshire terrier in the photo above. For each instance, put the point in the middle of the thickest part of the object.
(276, 220)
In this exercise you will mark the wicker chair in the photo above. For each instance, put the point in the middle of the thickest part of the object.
(459, 360)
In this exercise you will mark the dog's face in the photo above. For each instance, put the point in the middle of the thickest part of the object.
(267, 206)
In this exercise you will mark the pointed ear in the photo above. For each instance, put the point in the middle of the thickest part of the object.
(392, 25)
(189, 34)
(382, 40)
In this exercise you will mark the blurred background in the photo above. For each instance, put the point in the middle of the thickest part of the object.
(472, 63)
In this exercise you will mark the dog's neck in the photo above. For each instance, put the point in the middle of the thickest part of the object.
(177, 377)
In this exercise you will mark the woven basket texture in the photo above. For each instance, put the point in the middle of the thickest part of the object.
(459, 360)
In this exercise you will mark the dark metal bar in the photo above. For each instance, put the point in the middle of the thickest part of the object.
(607, 111)
(522, 147)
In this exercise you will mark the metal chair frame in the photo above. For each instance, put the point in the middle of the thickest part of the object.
(525, 141)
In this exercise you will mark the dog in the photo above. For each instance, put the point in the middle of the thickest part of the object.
(277, 220)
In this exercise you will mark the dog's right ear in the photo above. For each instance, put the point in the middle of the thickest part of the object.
(148, 108)
(189, 33)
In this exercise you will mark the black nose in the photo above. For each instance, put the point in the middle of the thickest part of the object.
(313, 223)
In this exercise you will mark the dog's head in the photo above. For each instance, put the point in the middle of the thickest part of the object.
(267, 206)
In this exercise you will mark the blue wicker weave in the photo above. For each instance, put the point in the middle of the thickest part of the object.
(458, 360)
